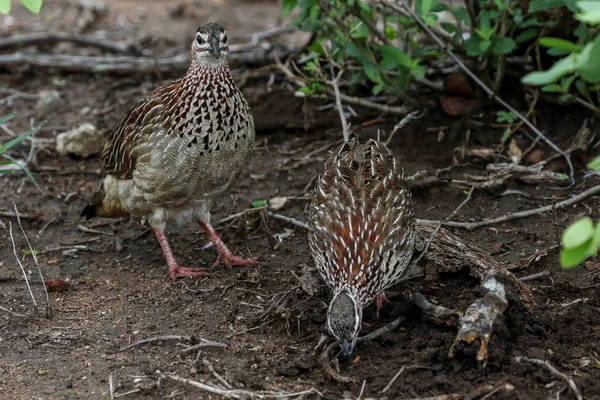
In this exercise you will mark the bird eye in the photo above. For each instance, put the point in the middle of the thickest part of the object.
(200, 40)
(224, 38)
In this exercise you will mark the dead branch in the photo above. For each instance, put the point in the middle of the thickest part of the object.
(338, 104)
(477, 322)
(53, 37)
(511, 216)
(216, 375)
(203, 343)
(237, 393)
(482, 85)
(166, 338)
(449, 254)
(33, 254)
(409, 117)
(546, 364)
(260, 54)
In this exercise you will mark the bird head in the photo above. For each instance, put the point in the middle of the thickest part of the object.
(210, 45)
(343, 320)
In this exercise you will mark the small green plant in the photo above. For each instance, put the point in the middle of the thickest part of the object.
(32, 5)
(12, 165)
(579, 241)
(594, 165)
(576, 76)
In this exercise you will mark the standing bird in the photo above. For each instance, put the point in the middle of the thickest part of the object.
(361, 232)
(179, 148)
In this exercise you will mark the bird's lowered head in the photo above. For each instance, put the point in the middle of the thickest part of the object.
(210, 46)
(343, 320)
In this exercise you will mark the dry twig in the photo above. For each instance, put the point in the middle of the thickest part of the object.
(546, 364)
(50, 37)
(523, 214)
(33, 254)
(237, 393)
(203, 342)
(12, 239)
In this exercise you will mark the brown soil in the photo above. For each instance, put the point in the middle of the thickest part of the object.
(120, 291)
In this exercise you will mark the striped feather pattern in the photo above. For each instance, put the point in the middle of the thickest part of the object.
(361, 221)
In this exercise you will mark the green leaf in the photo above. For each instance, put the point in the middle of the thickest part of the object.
(552, 88)
(462, 15)
(597, 235)
(541, 5)
(426, 6)
(558, 43)
(448, 27)
(558, 52)
(588, 64)
(372, 72)
(526, 35)
(594, 165)
(4, 6)
(578, 233)
(581, 87)
(287, 7)
(396, 54)
(570, 258)
(504, 46)
(472, 46)
(378, 88)
(6, 146)
(485, 34)
(484, 45)
(33, 5)
(26, 170)
(258, 203)
(7, 117)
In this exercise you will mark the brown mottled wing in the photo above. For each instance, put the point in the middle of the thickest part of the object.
(141, 120)
(362, 219)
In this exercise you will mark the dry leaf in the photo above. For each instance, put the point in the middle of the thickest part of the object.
(277, 203)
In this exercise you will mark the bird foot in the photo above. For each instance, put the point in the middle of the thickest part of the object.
(227, 258)
(175, 271)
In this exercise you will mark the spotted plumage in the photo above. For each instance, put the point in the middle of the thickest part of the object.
(179, 148)
(361, 231)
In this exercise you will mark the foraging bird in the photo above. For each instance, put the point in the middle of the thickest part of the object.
(361, 232)
(179, 148)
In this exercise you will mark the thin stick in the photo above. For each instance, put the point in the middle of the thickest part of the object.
(482, 85)
(157, 339)
(522, 214)
(12, 312)
(288, 219)
(534, 276)
(340, 107)
(388, 328)
(33, 253)
(236, 393)
(362, 389)
(111, 387)
(409, 117)
(12, 239)
(44, 38)
(216, 375)
(546, 364)
(439, 225)
(390, 383)
(203, 343)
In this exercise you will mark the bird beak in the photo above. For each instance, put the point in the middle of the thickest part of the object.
(347, 348)
(214, 48)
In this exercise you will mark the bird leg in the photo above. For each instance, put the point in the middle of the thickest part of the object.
(175, 271)
(225, 255)
(380, 299)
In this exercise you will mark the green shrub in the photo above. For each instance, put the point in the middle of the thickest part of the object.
(32, 5)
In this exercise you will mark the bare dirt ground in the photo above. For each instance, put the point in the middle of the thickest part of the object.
(120, 291)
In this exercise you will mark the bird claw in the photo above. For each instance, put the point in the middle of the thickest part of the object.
(229, 259)
(175, 271)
